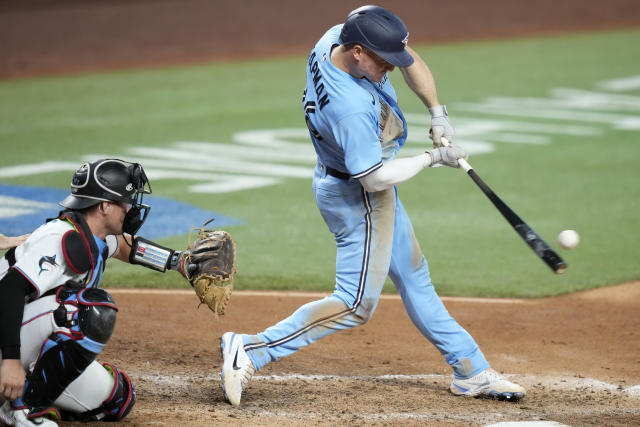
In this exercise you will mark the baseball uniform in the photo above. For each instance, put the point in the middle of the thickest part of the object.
(356, 126)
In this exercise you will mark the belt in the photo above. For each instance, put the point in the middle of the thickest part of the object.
(337, 174)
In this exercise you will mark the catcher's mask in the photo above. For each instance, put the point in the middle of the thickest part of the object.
(111, 180)
(379, 30)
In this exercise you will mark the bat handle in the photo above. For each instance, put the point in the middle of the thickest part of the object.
(464, 165)
(462, 162)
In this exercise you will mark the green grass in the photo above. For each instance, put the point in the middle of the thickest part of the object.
(585, 183)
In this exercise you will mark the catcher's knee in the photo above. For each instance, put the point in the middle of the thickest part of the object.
(94, 321)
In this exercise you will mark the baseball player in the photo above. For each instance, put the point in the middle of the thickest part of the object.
(54, 320)
(357, 128)
(7, 242)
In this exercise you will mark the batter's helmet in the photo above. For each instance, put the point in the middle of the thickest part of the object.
(380, 31)
(111, 180)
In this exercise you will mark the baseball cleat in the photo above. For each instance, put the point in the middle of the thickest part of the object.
(237, 368)
(488, 383)
(18, 417)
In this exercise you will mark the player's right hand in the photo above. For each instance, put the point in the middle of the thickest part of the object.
(12, 378)
(447, 156)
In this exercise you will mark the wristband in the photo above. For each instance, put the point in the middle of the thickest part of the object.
(439, 111)
(150, 255)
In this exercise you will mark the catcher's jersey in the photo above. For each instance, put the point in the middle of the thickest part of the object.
(41, 259)
(355, 124)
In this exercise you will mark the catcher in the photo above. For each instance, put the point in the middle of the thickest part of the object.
(55, 320)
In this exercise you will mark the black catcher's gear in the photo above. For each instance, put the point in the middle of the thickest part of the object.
(111, 180)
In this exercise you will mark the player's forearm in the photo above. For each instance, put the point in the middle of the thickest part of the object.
(124, 247)
(147, 253)
(395, 172)
(420, 80)
(13, 288)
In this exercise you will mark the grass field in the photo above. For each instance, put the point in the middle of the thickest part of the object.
(573, 165)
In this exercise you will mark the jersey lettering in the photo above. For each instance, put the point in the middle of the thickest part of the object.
(317, 85)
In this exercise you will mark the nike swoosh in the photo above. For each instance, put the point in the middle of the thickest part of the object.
(235, 360)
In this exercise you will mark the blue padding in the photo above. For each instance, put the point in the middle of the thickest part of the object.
(91, 345)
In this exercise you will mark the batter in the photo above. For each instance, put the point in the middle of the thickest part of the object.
(357, 129)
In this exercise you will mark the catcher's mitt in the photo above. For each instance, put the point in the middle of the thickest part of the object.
(209, 263)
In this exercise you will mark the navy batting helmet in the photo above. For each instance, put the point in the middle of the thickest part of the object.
(380, 31)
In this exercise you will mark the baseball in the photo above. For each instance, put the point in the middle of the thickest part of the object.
(568, 239)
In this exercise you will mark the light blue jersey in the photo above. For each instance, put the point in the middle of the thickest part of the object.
(355, 126)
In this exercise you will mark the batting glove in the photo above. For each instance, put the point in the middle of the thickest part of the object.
(447, 156)
(440, 125)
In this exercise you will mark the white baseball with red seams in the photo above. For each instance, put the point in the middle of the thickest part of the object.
(568, 239)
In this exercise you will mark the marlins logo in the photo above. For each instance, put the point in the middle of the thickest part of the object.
(406, 39)
(46, 260)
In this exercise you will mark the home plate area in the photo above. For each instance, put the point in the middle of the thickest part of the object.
(384, 372)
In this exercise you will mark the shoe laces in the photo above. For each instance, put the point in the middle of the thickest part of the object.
(492, 376)
(485, 377)
(247, 369)
(247, 373)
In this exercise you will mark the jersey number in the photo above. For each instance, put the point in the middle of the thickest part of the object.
(310, 108)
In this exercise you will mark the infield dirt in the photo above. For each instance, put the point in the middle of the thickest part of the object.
(577, 355)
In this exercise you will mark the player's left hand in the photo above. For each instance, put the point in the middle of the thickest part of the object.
(209, 264)
(440, 125)
(7, 242)
(447, 156)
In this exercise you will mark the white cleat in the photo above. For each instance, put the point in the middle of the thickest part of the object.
(237, 368)
(488, 383)
(18, 418)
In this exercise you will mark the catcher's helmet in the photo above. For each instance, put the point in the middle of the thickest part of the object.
(380, 31)
(111, 180)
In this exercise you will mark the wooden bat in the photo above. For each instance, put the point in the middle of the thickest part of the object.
(528, 234)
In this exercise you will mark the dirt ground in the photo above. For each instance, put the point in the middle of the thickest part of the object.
(577, 355)
(40, 37)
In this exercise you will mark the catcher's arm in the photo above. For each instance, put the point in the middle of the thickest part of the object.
(209, 263)
(138, 250)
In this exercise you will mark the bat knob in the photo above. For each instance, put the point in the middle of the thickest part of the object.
(561, 268)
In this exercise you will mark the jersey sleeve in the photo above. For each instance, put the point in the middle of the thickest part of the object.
(43, 263)
(358, 137)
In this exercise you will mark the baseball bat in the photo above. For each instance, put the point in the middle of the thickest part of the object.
(524, 230)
